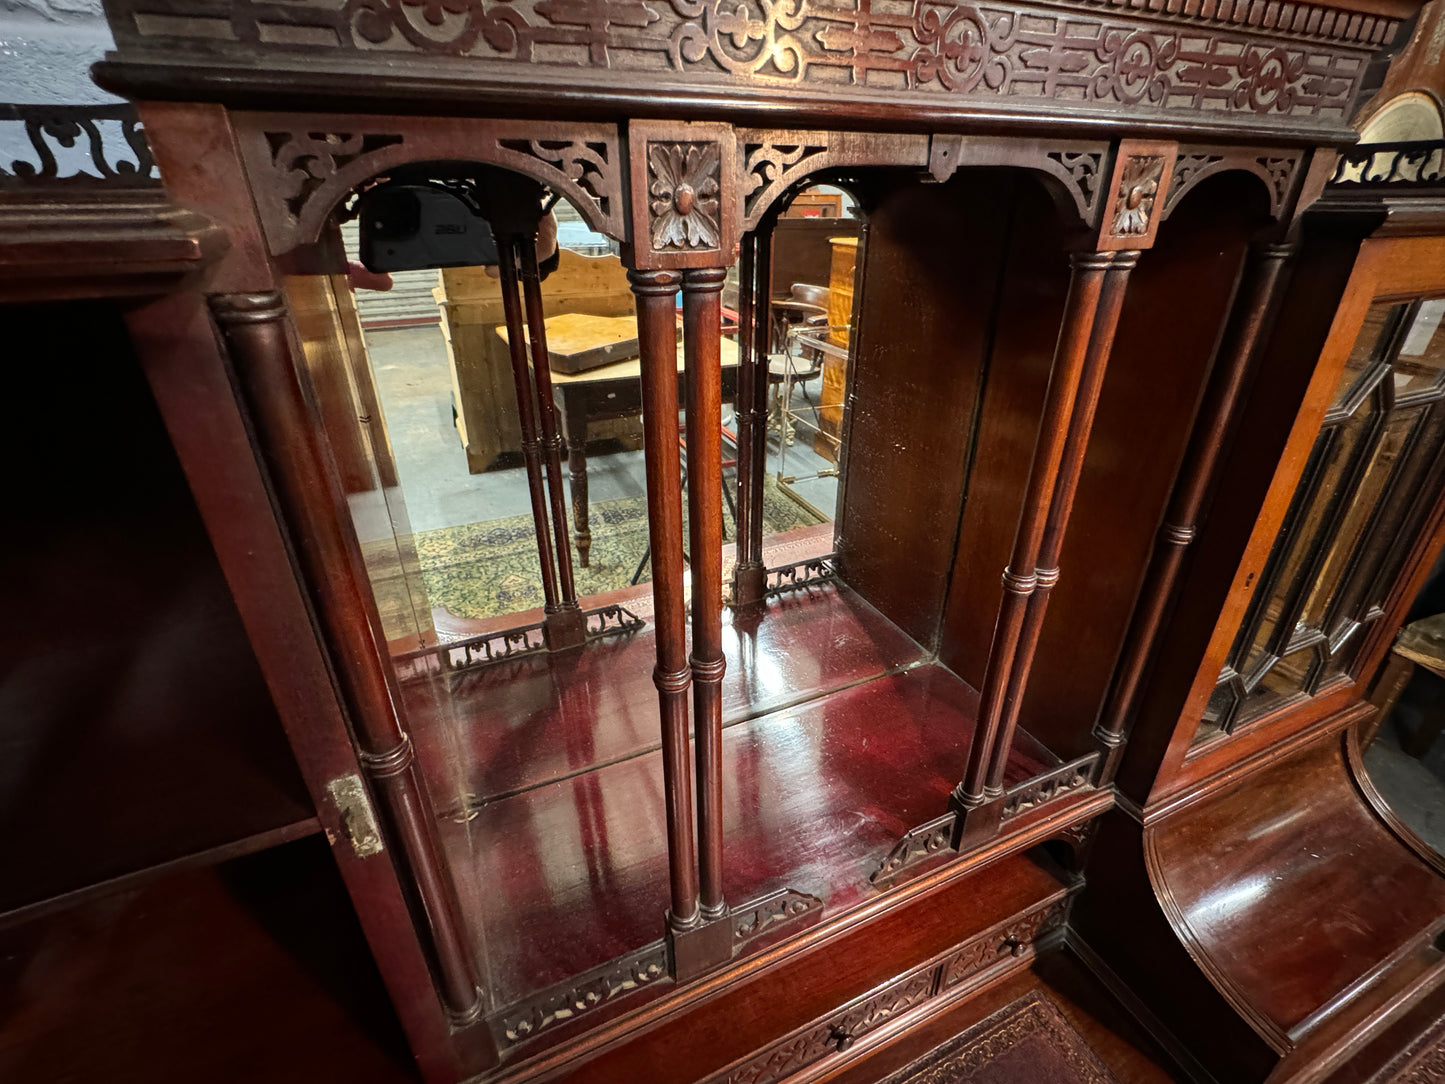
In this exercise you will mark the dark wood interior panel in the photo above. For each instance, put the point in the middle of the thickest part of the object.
(1034, 283)
(801, 252)
(1174, 311)
(1327, 254)
(134, 722)
(254, 970)
(931, 273)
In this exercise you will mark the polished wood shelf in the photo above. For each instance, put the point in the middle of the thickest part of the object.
(868, 741)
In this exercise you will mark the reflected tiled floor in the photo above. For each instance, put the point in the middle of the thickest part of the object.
(1414, 788)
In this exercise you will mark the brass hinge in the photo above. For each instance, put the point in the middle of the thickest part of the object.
(357, 816)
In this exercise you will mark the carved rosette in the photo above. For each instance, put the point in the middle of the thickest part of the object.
(1140, 182)
(683, 195)
(685, 192)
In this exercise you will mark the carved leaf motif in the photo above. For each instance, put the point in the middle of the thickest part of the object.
(686, 180)
(1134, 202)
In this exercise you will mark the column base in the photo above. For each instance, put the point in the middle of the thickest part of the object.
(700, 948)
(565, 629)
(975, 824)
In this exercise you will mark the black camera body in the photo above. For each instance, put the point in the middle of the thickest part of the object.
(412, 227)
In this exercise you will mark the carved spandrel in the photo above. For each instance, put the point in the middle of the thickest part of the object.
(1097, 59)
(1277, 169)
(1075, 167)
(301, 166)
(777, 160)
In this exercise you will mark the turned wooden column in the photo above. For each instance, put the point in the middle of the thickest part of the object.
(750, 578)
(1265, 275)
(1061, 503)
(1020, 578)
(656, 293)
(567, 628)
(526, 414)
(701, 339)
(255, 330)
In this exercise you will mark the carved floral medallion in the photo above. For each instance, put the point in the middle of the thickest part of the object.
(685, 179)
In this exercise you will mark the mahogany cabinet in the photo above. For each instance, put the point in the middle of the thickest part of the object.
(1109, 272)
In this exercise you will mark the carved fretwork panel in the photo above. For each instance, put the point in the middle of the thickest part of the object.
(774, 160)
(684, 194)
(1075, 168)
(301, 166)
(1278, 167)
(77, 147)
(1296, 63)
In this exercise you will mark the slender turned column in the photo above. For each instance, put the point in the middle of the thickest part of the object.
(762, 343)
(656, 293)
(1086, 401)
(747, 374)
(531, 444)
(701, 340)
(256, 335)
(1019, 578)
(1264, 277)
(570, 624)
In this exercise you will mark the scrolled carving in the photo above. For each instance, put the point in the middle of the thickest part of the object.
(1011, 940)
(926, 841)
(590, 990)
(770, 168)
(684, 182)
(785, 907)
(1134, 200)
(1276, 168)
(837, 1033)
(53, 130)
(1286, 62)
(304, 161)
(1035, 792)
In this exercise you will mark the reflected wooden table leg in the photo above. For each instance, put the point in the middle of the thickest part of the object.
(574, 431)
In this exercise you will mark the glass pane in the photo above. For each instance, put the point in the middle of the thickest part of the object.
(1368, 494)
(1370, 345)
(1285, 679)
(1306, 522)
(1420, 366)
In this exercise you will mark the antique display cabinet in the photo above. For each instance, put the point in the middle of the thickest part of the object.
(1048, 683)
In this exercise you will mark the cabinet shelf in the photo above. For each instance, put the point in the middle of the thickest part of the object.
(861, 740)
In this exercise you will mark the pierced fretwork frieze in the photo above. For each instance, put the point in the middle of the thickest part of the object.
(1289, 61)
(1391, 166)
(77, 146)
(1065, 779)
(1276, 167)
(1075, 166)
(801, 575)
(591, 990)
(302, 167)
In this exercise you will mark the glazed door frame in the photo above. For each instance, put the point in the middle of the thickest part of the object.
(1387, 269)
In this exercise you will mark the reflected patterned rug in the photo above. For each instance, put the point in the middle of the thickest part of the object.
(1026, 1042)
(484, 569)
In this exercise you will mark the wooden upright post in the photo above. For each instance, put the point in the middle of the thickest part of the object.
(1265, 275)
(750, 579)
(656, 293)
(701, 337)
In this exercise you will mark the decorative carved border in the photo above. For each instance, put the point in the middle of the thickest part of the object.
(785, 908)
(926, 841)
(1042, 789)
(1390, 167)
(999, 947)
(99, 132)
(457, 657)
(1278, 60)
(801, 575)
(776, 160)
(1076, 166)
(302, 166)
(591, 990)
(1277, 167)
